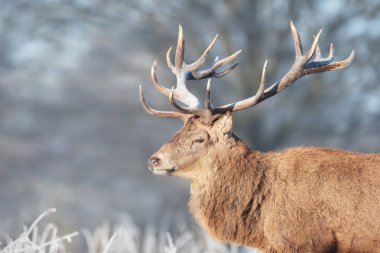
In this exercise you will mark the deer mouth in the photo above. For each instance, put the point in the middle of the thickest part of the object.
(167, 172)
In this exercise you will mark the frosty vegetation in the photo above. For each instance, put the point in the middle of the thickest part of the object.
(35, 239)
(123, 237)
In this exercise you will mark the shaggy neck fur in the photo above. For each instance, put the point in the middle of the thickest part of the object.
(229, 204)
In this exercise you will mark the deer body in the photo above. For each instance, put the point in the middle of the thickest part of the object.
(298, 200)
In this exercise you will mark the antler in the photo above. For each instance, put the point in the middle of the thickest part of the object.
(184, 72)
(303, 65)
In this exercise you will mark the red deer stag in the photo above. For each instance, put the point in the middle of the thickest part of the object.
(308, 199)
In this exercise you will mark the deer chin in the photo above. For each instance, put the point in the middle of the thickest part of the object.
(164, 172)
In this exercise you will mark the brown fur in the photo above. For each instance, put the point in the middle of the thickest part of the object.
(298, 200)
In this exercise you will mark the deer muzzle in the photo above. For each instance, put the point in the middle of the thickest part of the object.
(158, 166)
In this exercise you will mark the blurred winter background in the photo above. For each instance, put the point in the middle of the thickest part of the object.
(73, 135)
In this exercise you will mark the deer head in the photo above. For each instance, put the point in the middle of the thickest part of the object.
(207, 131)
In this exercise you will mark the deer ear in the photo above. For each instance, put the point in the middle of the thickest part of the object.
(223, 124)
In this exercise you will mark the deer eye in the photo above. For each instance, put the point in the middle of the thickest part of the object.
(199, 140)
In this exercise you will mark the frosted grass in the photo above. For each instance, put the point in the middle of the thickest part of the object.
(37, 240)
(122, 237)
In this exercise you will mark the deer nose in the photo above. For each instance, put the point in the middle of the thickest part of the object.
(154, 161)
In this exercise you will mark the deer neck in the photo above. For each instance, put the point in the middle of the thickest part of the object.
(228, 198)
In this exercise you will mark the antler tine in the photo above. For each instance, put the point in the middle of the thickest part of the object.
(156, 84)
(331, 53)
(297, 41)
(169, 61)
(318, 55)
(182, 110)
(180, 50)
(210, 72)
(175, 105)
(225, 72)
(249, 102)
(160, 114)
(198, 63)
(319, 61)
(208, 96)
(313, 47)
